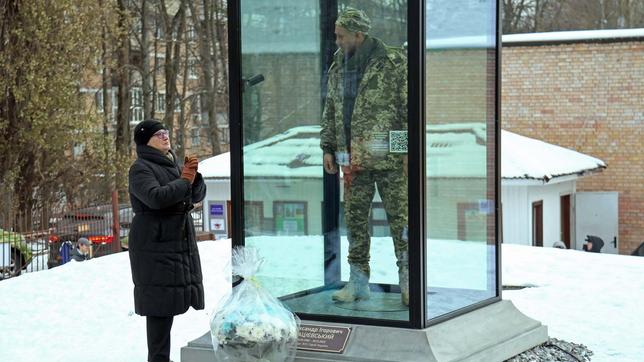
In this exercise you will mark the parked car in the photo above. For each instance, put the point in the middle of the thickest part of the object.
(93, 223)
(15, 254)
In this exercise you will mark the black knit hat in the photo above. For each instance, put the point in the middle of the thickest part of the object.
(145, 130)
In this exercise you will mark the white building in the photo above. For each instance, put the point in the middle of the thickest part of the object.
(538, 185)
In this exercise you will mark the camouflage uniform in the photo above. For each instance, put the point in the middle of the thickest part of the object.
(380, 106)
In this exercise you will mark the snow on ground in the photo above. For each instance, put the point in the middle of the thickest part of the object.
(593, 299)
(84, 311)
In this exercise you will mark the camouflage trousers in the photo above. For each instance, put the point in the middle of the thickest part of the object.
(392, 187)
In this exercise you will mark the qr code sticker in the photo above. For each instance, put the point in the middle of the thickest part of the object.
(398, 141)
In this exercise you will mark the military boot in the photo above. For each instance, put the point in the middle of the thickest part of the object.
(356, 289)
(403, 277)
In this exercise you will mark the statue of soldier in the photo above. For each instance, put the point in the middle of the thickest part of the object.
(364, 126)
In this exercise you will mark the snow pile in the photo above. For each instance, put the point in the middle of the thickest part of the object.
(588, 298)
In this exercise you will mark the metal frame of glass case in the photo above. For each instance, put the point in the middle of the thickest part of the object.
(418, 267)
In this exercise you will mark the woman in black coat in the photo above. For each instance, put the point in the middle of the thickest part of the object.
(164, 258)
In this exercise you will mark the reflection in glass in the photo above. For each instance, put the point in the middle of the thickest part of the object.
(363, 134)
(460, 183)
(303, 117)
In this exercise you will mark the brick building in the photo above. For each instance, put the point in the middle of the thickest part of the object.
(583, 91)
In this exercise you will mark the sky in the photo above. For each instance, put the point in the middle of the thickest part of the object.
(85, 312)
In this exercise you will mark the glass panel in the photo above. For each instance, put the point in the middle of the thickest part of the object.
(297, 107)
(460, 124)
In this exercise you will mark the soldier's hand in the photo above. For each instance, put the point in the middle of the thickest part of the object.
(347, 175)
(329, 164)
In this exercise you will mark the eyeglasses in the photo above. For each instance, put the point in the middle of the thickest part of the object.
(162, 134)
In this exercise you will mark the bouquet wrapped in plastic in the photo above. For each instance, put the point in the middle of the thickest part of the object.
(252, 325)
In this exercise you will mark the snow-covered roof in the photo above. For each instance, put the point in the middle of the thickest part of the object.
(454, 151)
(572, 36)
(528, 158)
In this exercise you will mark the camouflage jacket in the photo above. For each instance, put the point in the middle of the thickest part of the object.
(380, 107)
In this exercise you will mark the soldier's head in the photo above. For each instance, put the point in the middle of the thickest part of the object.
(351, 28)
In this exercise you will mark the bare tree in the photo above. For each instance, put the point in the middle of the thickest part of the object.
(122, 140)
(208, 18)
(174, 25)
(520, 16)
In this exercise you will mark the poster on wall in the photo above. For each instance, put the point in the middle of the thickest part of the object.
(217, 225)
(290, 218)
(217, 219)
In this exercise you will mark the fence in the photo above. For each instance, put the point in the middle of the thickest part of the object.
(30, 247)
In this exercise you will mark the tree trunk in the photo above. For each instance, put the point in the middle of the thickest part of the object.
(146, 73)
(172, 59)
(123, 138)
(208, 66)
(180, 139)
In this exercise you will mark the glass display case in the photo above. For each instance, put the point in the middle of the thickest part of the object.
(364, 145)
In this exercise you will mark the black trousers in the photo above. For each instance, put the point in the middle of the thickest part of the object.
(158, 330)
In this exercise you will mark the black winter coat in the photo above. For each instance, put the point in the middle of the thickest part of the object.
(164, 258)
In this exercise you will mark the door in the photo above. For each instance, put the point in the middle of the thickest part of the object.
(537, 223)
(565, 220)
(597, 213)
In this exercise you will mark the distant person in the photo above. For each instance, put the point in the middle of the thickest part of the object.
(82, 250)
(639, 251)
(164, 258)
(594, 244)
(559, 245)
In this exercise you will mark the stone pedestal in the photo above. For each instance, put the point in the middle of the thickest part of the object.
(493, 333)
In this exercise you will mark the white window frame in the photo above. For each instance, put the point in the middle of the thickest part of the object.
(136, 105)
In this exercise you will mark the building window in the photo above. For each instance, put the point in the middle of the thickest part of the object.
(136, 99)
(195, 136)
(192, 69)
(253, 217)
(196, 120)
(191, 33)
(79, 148)
(289, 217)
(160, 105)
(99, 101)
(160, 64)
(195, 105)
(177, 105)
(224, 135)
(159, 29)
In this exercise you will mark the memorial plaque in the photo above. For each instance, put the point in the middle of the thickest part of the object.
(315, 337)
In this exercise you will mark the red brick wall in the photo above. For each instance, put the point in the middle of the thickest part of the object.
(588, 97)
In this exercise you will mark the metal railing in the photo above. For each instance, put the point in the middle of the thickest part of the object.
(30, 247)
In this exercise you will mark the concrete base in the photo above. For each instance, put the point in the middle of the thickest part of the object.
(493, 333)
